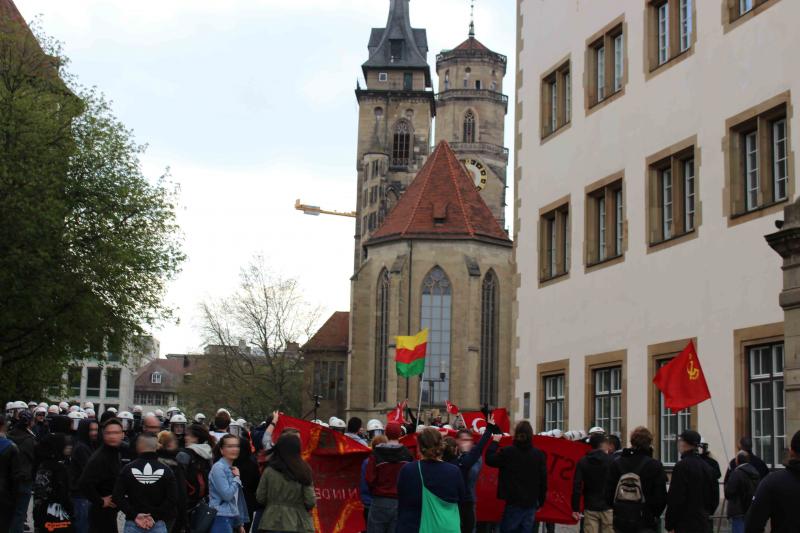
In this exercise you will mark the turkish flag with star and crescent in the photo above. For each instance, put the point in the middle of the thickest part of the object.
(682, 381)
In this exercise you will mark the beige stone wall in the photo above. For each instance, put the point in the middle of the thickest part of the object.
(466, 307)
(395, 80)
(483, 70)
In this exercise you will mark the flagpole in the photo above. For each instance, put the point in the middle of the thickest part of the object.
(419, 405)
(724, 449)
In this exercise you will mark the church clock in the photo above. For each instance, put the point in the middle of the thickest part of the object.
(479, 173)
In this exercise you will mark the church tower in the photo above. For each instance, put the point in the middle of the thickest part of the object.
(396, 109)
(470, 115)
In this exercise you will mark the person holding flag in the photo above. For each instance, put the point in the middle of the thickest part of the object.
(469, 461)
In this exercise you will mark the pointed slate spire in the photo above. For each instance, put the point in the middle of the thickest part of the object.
(398, 45)
(472, 19)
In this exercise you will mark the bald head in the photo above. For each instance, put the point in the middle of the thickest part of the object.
(146, 444)
(151, 424)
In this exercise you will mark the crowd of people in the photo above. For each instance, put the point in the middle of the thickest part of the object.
(161, 473)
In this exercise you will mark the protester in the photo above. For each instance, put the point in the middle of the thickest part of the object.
(637, 486)
(222, 422)
(746, 444)
(286, 489)
(363, 488)
(40, 429)
(250, 476)
(199, 445)
(23, 437)
(693, 490)
(522, 481)
(84, 445)
(383, 468)
(52, 507)
(777, 497)
(355, 430)
(469, 460)
(709, 459)
(12, 476)
(170, 455)
(430, 490)
(740, 488)
(99, 477)
(225, 487)
(146, 491)
(589, 483)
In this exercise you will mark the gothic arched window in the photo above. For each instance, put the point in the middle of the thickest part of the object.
(401, 145)
(489, 338)
(446, 80)
(436, 316)
(382, 337)
(469, 126)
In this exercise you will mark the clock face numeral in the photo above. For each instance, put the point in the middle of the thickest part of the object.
(479, 173)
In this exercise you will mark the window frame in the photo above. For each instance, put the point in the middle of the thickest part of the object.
(470, 126)
(438, 339)
(613, 73)
(556, 99)
(554, 257)
(667, 217)
(156, 378)
(557, 400)
(676, 42)
(771, 379)
(610, 190)
(745, 200)
(733, 17)
(490, 339)
(402, 150)
(600, 362)
(381, 353)
(543, 372)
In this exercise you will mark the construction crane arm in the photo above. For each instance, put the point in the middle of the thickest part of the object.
(315, 210)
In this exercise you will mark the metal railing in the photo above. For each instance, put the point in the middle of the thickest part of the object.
(472, 93)
(480, 147)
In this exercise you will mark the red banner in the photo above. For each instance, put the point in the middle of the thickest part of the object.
(476, 420)
(336, 462)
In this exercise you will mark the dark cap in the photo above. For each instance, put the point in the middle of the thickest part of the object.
(692, 438)
(393, 431)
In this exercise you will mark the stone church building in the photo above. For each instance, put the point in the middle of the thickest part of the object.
(431, 248)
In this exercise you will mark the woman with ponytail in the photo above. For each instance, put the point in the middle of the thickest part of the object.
(286, 489)
(430, 490)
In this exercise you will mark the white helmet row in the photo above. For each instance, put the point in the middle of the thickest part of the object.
(337, 423)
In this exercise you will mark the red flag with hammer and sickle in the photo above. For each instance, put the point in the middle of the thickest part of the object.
(682, 381)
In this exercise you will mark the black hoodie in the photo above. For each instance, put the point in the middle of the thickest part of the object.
(654, 482)
(82, 450)
(777, 500)
(740, 488)
(590, 482)
(522, 481)
(100, 474)
(146, 486)
(693, 495)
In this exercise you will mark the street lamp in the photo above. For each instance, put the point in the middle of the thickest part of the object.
(442, 378)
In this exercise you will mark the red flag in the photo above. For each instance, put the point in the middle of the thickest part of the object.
(682, 381)
(477, 420)
(396, 414)
(336, 462)
(451, 407)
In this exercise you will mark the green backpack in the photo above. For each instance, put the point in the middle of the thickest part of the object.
(438, 516)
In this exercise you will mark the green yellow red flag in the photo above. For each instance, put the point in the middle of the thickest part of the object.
(410, 354)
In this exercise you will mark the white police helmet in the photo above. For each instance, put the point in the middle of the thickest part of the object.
(137, 409)
(127, 420)
(74, 420)
(112, 410)
(597, 430)
(53, 410)
(88, 405)
(374, 427)
(90, 413)
(63, 406)
(199, 418)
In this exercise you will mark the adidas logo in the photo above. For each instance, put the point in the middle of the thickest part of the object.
(148, 476)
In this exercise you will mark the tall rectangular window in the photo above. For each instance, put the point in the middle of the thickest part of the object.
(526, 405)
(382, 337)
(568, 96)
(74, 379)
(618, 62)
(745, 6)
(112, 382)
(779, 159)
(408, 81)
(686, 24)
(601, 227)
(666, 203)
(663, 33)
(556, 99)
(436, 315)
(553, 105)
(608, 399)
(553, 402)
(751, 169)
(689, 194)
(93, 382)
(619, 222)
(670, 425)
(767, 402)
(600, 63)
(554, 243)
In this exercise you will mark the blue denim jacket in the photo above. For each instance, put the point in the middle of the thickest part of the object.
(225, 493)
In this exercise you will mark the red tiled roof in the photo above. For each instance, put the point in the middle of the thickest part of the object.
(441, 203)
(333, 335)
(9, 11)
(472, 44)
(172, 371)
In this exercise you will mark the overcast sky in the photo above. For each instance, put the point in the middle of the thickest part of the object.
(250, 104)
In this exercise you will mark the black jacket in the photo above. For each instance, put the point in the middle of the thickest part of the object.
(100, 474)
(175, 461)
(652, 475)
(82, 450)
(590, 481)
(50, 491)
(740, 489)
(755, 460)
(146, 486)
(523, 474)
(11, 474)
(693, 495)
(778, 500)
(26, 443)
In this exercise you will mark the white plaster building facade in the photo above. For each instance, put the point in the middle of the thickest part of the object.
(644, 189)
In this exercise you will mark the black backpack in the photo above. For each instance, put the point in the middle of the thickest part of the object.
(629, 500)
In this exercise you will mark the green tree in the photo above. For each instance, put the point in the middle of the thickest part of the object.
(251, 365)
(88, 244)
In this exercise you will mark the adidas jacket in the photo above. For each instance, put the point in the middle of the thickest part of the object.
(146, 486)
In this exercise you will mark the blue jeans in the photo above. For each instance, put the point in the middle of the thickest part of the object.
(21, 504)
(382, 516)
(80, 515)
(225, 524)
(131, 527)
(737, 524)
(518, 519)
